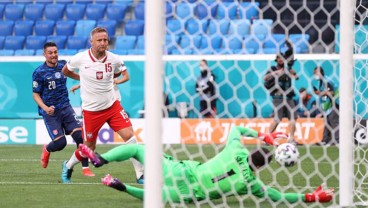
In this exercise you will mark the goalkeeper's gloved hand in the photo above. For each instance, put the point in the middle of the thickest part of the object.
(320, 195)
(271, 138)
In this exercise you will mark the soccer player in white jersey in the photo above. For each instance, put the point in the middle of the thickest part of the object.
(97, 70)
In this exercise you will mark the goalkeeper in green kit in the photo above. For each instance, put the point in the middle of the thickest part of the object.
(228, 173)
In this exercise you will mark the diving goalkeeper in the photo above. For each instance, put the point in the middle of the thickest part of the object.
(228, 173)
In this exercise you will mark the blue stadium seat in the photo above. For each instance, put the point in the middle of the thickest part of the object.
(110, 26)
(140, 42)
(171, 42)
(119, 52)
(58, 40)
(35, 42)
(24, 52)
(213, 5)
(190, 42)
(270, 50)
(116, 11)
(54, 11)
(125, 42)
(65, 27)
(76, 42)
(139, 11)
(227, 10)
(104, 1)
(184, 10)
(14, 42)
(95, 11)
(75, 11)
(5, 2)
(34, 11)
(136, 52)
(232, 42)
(249, 10)
(23, 27)
(84, 27)
(2, 39)
(2, 6)
(134, 27)
(6, 52)
(195, 26)
(213, 42)
(175, 27)
(6, 27)
(14, 11)
(67, 52)
(300, 41)
(240, 27)
(44, 27)
(39, 52)
(44, 2)
(262, 27)
(169, 11)
(251, 42)
(83, 1)
(25, 2)
(218, 27)
(202, 11)
(65, 2)
(276, 41)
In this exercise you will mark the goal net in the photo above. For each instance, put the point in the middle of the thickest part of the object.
(240, 41)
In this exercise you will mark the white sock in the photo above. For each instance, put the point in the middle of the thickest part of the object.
(72, 161)
(138, 167)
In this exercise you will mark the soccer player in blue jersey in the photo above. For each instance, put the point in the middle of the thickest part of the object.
(51, 95)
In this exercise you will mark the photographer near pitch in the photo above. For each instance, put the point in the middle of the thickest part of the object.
(278, 80)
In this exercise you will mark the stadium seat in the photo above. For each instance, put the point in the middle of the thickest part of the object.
(34, 11)
(140, 42)
(213, 42)
(227, 10)
(54, 11)
(202, 11)
(134, 27)
(175, 27)
(104, 1)
(171, 42)
(23, 27)
(116, 11)
(169, 11)
(2, 6)
(213, 5)
(6, 27)
(239, 27)
(83, 1)
(136, 52)
(195, 26)
(7, 52)
(139, 11)
(300, 41)
(39, 52)
(75, 11)
(14, 11)
(232, 42)
(14, 42)
(190, 41)
(248, 10)
(262, 27)
(35, 42)
(58, 40)
(125, 42)
(270, 50)
(84, 27)
(184, 10)
(76, 42)
(44, 2)
(65, 27)
(67, 52)
(65, 2)
(95, 11)
(110, 26)
(44, 27)
(24, 52)
(119, 52)
(218, 27)
(251, 42)
(2, 39)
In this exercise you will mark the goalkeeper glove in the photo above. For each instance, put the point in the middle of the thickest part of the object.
(320, 195)
(271, 138)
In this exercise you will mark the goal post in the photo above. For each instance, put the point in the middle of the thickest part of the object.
(346, 169)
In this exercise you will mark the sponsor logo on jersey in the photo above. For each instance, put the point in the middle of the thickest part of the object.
(35, 84)
(99, 75)
(55, 131)
(57, 75)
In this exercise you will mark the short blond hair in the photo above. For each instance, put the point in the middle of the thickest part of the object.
(98, 30)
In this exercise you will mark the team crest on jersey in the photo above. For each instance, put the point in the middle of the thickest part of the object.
(89, 135)
(99, 75)
(57, 75)
(55, 131)
(35, 84)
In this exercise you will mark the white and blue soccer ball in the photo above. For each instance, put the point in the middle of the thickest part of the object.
(286, 154)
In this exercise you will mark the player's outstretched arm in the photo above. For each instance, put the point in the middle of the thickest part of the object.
(237, 132)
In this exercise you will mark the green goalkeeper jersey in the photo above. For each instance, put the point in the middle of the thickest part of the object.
(227, 173)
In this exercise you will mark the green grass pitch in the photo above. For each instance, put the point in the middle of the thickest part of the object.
(24, 183)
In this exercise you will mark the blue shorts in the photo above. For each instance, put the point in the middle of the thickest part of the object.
(63, 122)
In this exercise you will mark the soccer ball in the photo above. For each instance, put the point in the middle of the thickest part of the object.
(286, 154)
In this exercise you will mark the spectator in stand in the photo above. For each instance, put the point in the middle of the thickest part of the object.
(306, 104)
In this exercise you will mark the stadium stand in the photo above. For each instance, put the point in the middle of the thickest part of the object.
(44, 1)
(116, 11)
(54, 11)
(76, 42)
(6, 52)
(65, 27)
(35, 42)
(24, 52)
(248, 10)
(240, 27)
(175, 27)
(184, 10)
(84, 27)
(34, 11)
(67, 52)
(134, 27)
(2, 39)
(44, 27)
(139, 11)
(58, 40)
(227, 10)
(14, 12)
(95, 11)
(6, 27)
(75, 11)
(14, 42)
(125, 42)
(23, 27)
(140, 42)
(110, 26)
(218, 26)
